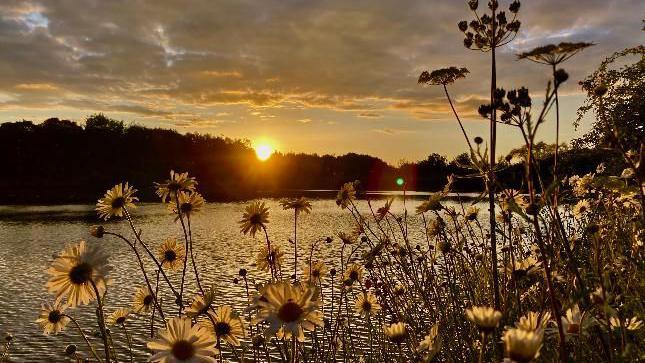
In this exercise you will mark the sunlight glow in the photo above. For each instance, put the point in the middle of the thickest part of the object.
(263, 151)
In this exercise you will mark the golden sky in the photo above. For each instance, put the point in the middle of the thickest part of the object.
(330, 76)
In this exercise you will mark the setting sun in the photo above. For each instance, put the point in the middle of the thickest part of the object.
(263, 151)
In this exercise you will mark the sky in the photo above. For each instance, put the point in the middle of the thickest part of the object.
(314, 76)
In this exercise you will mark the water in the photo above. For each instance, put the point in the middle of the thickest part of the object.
(30, 235)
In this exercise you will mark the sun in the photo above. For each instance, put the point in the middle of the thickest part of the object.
(263, 151)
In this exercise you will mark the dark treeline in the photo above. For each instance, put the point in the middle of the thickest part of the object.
(59, 161)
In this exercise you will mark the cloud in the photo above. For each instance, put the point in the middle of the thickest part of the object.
(164, 59)
(370, 114)
(36, 87)
(390, 131)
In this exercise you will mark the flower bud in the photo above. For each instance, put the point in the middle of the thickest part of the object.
(514, 7)
(463, 25)
(70, 349)
(560, 77)
(97, 231)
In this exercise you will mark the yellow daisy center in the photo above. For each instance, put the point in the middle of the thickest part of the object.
(186, 208)
(290, 312)
(174, 186)
(255, 218)
(183, 350)
(118, 202)
(147, 300)
(81, 273)
(222, 328)
(54, 316)
(170, 255)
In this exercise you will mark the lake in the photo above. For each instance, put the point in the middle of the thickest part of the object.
(31, 235)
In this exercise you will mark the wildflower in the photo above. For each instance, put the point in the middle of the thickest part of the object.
(225, 324)
(436, 227)
(399, 289)
(52, 319)
(171, 254)
(115, 201)
(632, 323)
(627, 173)
(347, 238)
(346, 195)
(535, 322)
(431, 344)
(521, 345)
(487, 32)
(522, 268)
(572, 322)
(384, 210)
(188, 204)
(183, 342)
(486, 318)
(255, 217)
(553, 54)
(143, 300)
(581, 208)
(75, 271)
(513, 201)
(432, 204)
(118, 317)
(201, 303)
(353, 273)
(581, 185)
(178, 182)
(289, 309)
(298, 205)
(396, 333)
(366, 304)
(471, 213)
(314, 272)
(266, 260)
(444, 76)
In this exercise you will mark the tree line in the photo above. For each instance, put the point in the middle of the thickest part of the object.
(60, 161)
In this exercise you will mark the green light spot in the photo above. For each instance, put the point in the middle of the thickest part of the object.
(399, 181)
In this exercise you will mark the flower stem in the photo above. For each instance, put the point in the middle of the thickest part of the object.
(80, 330)
(129, 339)
(101, 322)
